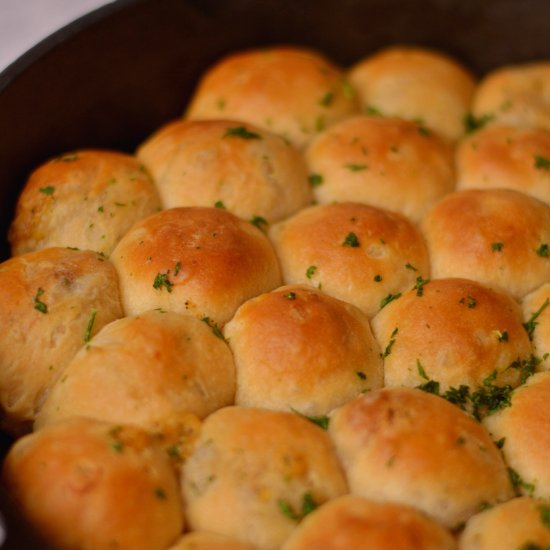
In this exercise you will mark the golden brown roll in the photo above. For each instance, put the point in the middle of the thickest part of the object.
(299, 348)
(357, 253)
(498, 237)
(290, 91)
(87, 484)
(255, 474)
(415, 84)
(524, 431)
(516, 95)
(407, 446)
(384, 162)
(146, 370)
(201, 540)
(536, 314)
(506, 157)
(53, 302)
(453, 332)
(249, 171)
(514, 525)
(87, 199)
(352, 522)
(201, 261)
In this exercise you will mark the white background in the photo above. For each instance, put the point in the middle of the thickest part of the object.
(23, 23)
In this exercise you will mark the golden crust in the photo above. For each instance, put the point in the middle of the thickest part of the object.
(147, 370)
(316, 248)
(251, 173)
(406, 446)
(506, 157)
(536, 311)
(354, 522)
(294, 92)
(494, 236)
(456, 332)
(87, 199)
(510, 526)
(525, 425)
(416, 84)
(253, 470)
(201, 261)
(384, 162)
(88, 484)
(517, 95)
(48, 302)
(201, 540)
(298, 348)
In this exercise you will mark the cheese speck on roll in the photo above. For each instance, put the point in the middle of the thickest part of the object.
(87, 199)
(53, 302)
(256, 473)
(147, 370)
(89, 484)
(299, 348)
(352, 522)
(384, 162)
(415, 84)
(355, 252)
(290, 91)
(407, 446)
(249, 171)
(202, 261)
(497, 237)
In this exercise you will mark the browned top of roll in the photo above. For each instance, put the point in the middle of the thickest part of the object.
(294, 92)
(204, 261)
(498, 237)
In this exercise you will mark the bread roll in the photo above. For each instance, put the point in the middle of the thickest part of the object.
(351, 522)
(53, 301)
(536, 314)
(255, 473)
(524, 430)
(407, 446)
(415, 84)
(201, 540)
(146, 370)
(454, 332)
(249, 171)
(202, 261)
(291, 91)
(497, 237)
(384, 162)
(354, 252)
(519, 523)
(517, 95)
(87, 199)
(87, 484)
(298, 348)
(507, 157)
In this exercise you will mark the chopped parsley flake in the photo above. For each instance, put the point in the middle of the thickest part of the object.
(351, 240)
(241, 132)
(527, 367)
(259, 222)
(310, 271)
(543, 250)
(530, 325)
(410, 266)
(389, 347)
(321, 421)
(354, 167)
(497, 247)
(215, 328)
(389, 298)
(49, 190)
(431, 386)
(421, 371)
(161, 280)
(419, 286)
(502, 336)
(347, 89)
(290, 296)
(90, 326)
(458, 396)
(315, 180)
(473, 123)
(518, 482)
(287, 510)
(544, 515)
(219, 204)
(160, 493)
(361, 375)
(500, 443)
(327, 99)
(38, 304)
(542, 163)
(371, 110)
(489, 398)
(470, 302)
(308, 506)
(377, 278)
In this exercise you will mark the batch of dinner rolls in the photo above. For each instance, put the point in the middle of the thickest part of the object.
(313, 313)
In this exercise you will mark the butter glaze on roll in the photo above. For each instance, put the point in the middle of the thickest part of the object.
(290, 91)
(87, 199)
(407, 446)
(415, 84)
(455, 332)
(384, 162)
(357, 253)
(87, 484)
(352, 522)
(254, 471)
(298, 348)
(52, 301)
(202, 261)
(249, 171)
(497, 237)
(149, 370)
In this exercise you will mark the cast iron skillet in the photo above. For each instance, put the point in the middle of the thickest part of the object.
(112, 77)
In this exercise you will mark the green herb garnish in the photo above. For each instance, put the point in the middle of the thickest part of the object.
(215, 328)
(497, 247)
(241, 132)
(389, 298)
(351, 240)
(310, 271)
(419, 286)
(530, 325)
(161, 280)
(542, 163)
(49, 190)
(389, 347)
(38, 304)
(354, 167)
(473, 123)
(89, 327)
(259, 222)
(315, 180)
(543, 251)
